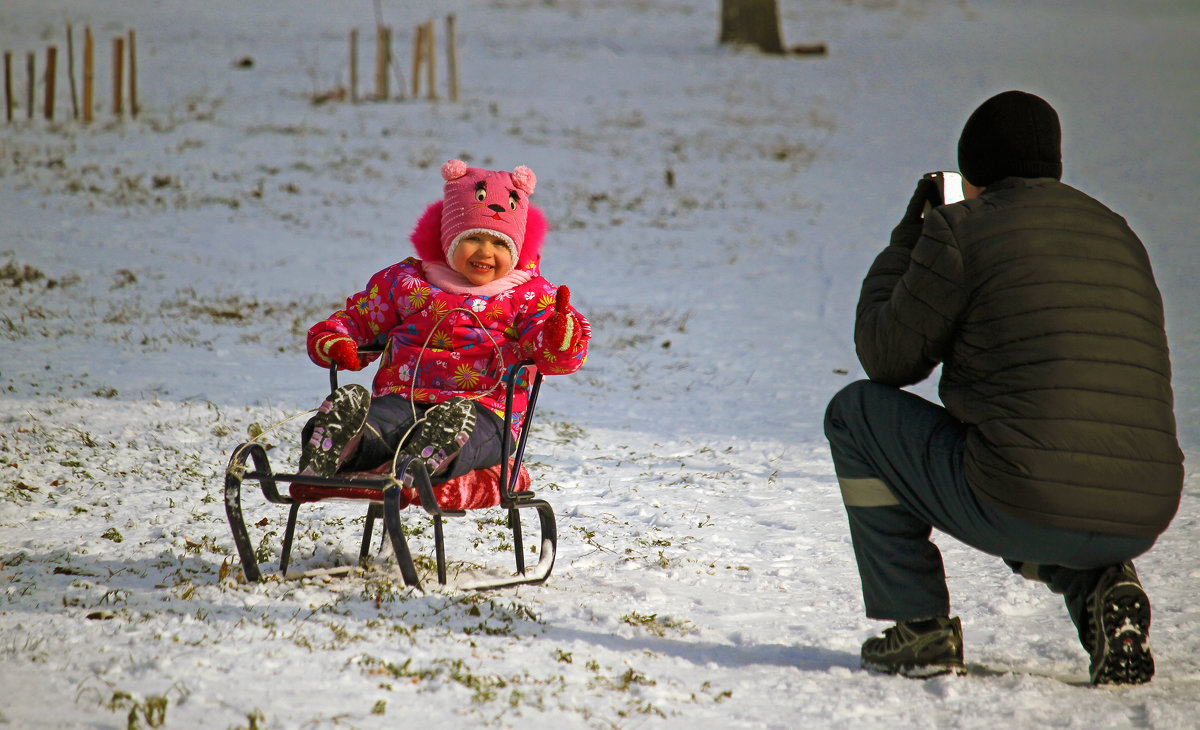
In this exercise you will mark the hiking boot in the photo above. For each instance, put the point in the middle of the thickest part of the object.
(1118, 629)
(920, 649)
(444, 429)
(334, 430)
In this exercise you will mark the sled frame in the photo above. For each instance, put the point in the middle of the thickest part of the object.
(249, 462)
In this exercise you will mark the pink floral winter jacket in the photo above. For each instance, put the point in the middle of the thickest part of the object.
(441, 345)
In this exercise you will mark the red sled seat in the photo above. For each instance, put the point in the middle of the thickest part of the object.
(505, 486)
(474, 490)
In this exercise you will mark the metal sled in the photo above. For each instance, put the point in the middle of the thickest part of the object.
(386, 500)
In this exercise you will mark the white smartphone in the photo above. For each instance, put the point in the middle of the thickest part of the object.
(950, 185)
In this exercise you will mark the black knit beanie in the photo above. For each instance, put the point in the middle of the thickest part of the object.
(1013, 134)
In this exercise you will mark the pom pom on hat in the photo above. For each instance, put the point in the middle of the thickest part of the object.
(453, 169)
(524, 178)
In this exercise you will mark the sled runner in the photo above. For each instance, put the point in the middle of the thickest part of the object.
(505, 486)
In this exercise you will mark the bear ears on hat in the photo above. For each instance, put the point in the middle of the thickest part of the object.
(522, 176)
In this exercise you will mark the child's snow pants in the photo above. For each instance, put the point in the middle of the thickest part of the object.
(390, 419)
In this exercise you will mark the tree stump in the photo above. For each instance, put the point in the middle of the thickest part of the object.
(751, 22)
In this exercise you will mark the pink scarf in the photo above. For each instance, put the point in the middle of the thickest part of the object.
(447, 279)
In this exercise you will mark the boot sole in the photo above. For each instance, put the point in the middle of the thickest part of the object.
(339, 419)
(1124, 627)
(441, 437)
(917, 671)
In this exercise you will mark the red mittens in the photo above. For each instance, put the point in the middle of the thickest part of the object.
(562, 328)
(344, 352)
(340, 349)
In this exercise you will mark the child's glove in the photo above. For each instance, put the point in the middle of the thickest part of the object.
(343, 351)
(562, 328)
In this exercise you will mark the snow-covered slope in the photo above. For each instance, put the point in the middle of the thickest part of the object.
(713, 212)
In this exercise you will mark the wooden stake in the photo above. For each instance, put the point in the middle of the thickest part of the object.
(71, 71)
(418, 46)
(431, 66)
(452, 56)
(8, 97)
(133, 96)
(51, 79)
(88, 74)
(354, 66)
(383, 47)
(29, 69)
(118, 71)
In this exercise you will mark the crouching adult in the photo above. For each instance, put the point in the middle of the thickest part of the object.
(1054, 446)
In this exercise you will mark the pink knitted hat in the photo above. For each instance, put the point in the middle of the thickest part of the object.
(485, 200)
(482, 200)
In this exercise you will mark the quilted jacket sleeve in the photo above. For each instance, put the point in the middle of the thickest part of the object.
(909, 302)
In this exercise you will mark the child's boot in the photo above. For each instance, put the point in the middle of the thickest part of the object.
(445, 428)
(335, 430)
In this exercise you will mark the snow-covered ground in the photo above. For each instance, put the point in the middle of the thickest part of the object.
(713, 212)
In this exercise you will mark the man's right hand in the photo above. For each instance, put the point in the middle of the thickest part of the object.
(905, 234)
(926, 193)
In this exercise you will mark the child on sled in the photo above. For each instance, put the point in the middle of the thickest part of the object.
(452, 320)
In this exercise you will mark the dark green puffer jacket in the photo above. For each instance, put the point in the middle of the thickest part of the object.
(1041, 306)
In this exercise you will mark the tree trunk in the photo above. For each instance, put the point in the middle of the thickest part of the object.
(752, 22)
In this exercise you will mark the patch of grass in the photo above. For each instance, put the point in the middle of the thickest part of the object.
(497, 619)
(152, 710)
(408, 671)
(629, 330)
(381, 589)
(18, 492)
(208, 543)
(589, 537)
(707, 690)
(263, 552)
(253, 719)
(654, 624)
(14, 274)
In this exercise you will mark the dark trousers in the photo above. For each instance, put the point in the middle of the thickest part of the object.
(389, 422)
(898, 459)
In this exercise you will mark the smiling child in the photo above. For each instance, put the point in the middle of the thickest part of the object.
(452, 321)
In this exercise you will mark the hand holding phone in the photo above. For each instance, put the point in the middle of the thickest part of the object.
(949, 188)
